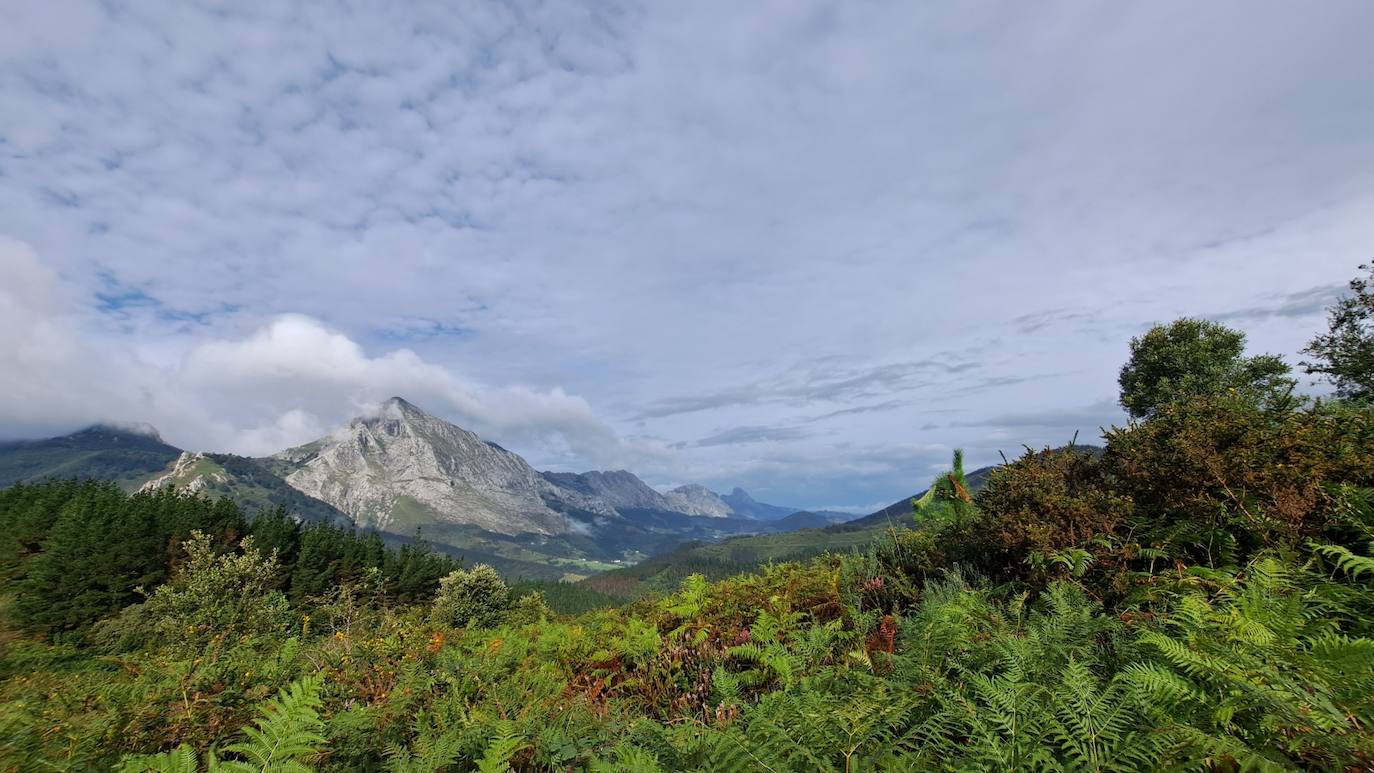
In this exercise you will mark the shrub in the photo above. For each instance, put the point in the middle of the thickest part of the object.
(477, 597)
(1217, 478)
(1037, 511)
(213, 598)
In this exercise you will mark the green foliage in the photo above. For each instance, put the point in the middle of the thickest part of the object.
(1218, 478)
(80, 552)
(1197, 596)
(1047, 514)
(1262, 673)
(1191, 357)
(285, 736)
(477, 597)
(505, 742)
(103, 546)
(213, 598)
(565, 598)
(1345, 353)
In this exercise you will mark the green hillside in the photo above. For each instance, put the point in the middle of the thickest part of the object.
(96, 453)
(662, 573)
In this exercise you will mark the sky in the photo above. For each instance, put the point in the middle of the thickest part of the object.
(804, 248)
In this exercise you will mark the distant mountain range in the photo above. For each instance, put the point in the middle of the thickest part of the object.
(403, 472)
(802, 539)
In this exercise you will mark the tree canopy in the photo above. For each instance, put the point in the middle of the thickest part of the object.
(1345, 353)
(1192, 357)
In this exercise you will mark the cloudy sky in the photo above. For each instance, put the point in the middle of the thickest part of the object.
(806, 248)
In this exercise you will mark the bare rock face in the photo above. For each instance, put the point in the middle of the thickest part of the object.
(191, 473)
(403, 467)
(695, 499)
(617, 488)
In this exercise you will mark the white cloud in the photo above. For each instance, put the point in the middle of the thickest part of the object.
(645, 204)
(283, 384)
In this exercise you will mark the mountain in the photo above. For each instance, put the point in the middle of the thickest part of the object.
(401, 471)
(402, 468)
(620, 489)
(247, 482)
(126, 455)
(799, 536)
(745, 506)
(136, 457)
(695, 499)
(809, 519)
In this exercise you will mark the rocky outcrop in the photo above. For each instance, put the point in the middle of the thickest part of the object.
(191, 473)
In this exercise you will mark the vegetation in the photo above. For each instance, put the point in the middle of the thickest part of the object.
(1197, 595)
(1195, 357)
(128, 458)
(1345, 353)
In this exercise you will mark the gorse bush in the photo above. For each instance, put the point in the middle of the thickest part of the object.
(1198, 595)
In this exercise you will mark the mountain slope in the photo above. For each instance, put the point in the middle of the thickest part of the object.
(403, 468)
(249, 484)
(731, 556)
(695, 499)
(126, 456)
(620, 489)
(745, 506)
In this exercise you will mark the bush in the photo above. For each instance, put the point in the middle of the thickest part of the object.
(477, 598)
(1037, 514)
(214, 598)
(1218, 478)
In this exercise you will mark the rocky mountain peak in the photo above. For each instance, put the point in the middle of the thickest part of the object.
(400, 467)
(696, 499)
(191, 472)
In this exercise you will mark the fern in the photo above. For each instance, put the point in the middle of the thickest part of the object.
(503, 745)
(428, 756)
(1098, 728)
(179, 760)
(1351, 563)
(286, 733)
(628, 758)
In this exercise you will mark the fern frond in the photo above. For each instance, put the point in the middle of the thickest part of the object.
(1347, 561)
(179, 760)
(286, 732)
(502, 746)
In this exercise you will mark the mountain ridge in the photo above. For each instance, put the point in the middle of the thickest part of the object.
(410, 475)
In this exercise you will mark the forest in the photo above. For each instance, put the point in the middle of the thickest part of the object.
(1196, 593)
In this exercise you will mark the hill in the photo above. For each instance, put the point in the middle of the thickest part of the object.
(249, 484)
(102, 452)
(807, 539)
